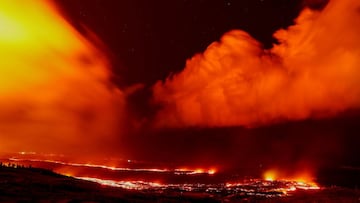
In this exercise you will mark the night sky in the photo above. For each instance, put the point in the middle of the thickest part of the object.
(149, 40)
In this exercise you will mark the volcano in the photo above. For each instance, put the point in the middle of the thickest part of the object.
(181, 101)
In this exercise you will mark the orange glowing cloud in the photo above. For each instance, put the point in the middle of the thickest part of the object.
(55, 89)
(314, 71)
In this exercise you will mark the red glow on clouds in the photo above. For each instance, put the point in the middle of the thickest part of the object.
(312, 72)
(55, 89)
(56, 93)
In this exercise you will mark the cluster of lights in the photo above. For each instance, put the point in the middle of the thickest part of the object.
(252, 187)
(130, 185)
(184, 171)
(297, 182)
(269, 186)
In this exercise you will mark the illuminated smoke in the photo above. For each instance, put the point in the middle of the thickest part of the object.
(313, 72)
(55, 89)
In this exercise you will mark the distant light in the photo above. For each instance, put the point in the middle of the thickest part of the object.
(24, 153)
(270, 175)
(199, 171)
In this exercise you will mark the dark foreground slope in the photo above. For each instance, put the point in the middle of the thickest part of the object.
(19, 184)
(34, 185)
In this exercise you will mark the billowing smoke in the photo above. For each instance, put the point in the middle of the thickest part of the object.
(55, 89)
(313, 72)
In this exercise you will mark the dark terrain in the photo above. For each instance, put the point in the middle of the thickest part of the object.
(23, 184)
(26, 184)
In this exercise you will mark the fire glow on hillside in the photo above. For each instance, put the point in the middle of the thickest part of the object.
(162, 180)
(58, 96)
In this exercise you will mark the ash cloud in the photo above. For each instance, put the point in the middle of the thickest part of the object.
(313, 72)
(55, 89)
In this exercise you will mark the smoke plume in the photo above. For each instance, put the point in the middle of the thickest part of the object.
(55, 89)
(314, 71)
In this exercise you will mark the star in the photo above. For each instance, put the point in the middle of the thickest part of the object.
(124, 28)
(82, 14)
(227, 3)
(131, 50)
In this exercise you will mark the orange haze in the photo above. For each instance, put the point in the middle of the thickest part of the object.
(55, 89)
(301, 177)
(314, 71)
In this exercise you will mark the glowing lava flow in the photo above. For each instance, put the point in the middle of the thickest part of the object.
(160, 180)
(252, 187)
(300, 182)
(269, 175)
(112, 168)
(131, 185)
(193, 172)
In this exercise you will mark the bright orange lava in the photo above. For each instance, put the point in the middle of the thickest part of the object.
(303, 181)
(275, 183)
(270, 175)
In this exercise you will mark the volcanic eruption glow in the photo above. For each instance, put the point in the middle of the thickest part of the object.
(134, 178)
(269, 175)
(55, 89)
(57, 97)
(253, 187)
(176, 171)
(312, 73)
(300, 179)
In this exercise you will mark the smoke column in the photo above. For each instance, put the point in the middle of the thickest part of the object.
(55, 89)
(313, 72)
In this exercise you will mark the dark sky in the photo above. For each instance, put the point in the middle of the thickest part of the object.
(148, 40)
(151, 39)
